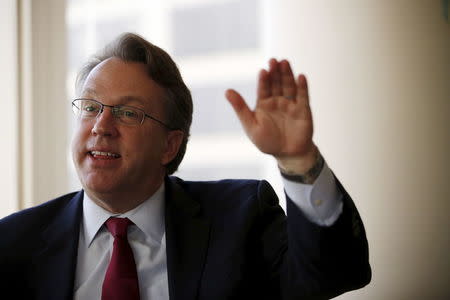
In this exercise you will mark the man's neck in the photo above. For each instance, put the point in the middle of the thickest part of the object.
(118, 202)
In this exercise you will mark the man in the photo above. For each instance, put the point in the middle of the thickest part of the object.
(134, 232)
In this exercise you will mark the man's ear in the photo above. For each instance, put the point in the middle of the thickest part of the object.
(174, 140)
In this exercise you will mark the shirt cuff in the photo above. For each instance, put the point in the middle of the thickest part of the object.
(320, 202)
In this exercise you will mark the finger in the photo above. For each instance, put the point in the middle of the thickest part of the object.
(275, 77)
(288, 86)
(241, 108)
(264, 87)
(302, 90)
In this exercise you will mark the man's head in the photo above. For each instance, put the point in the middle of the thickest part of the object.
(162, 69)
(112, 156)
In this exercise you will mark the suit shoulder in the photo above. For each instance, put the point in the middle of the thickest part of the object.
(34, 217)
(224, 185)
(228, 192)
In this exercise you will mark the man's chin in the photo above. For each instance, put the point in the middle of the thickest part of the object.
(102, 186)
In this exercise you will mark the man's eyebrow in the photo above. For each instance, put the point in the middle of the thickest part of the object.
(125, 100)
(133, 99)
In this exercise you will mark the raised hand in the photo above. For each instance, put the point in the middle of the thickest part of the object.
(281, 123)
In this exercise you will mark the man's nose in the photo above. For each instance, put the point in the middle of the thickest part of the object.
(105, 123)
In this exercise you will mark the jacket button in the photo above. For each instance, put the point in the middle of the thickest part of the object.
(317, 202)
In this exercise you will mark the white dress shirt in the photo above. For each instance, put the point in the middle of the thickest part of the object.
(146, 238)
(321, 203)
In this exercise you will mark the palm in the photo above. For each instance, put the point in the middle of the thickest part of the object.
(281, 123)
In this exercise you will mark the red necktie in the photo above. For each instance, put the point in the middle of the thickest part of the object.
(121, 281)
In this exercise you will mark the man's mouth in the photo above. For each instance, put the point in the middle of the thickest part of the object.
(103, 155)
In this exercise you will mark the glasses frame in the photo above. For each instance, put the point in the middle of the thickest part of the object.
(77, 109)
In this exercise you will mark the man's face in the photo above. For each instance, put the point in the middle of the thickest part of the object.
(134, 164)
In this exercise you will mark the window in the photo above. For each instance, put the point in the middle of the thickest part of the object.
(216, 45)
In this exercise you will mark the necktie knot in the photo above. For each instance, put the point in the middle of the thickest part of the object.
(118, 226)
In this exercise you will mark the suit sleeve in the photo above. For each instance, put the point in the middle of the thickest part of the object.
(308, 261)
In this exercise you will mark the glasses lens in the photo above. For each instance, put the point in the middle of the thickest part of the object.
(87, 108)
(128, 115)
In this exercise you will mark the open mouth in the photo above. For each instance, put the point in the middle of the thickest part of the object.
(103, 155)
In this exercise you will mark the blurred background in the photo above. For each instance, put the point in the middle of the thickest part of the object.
(379, 77)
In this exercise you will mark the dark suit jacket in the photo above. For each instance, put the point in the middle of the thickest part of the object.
(225, 240)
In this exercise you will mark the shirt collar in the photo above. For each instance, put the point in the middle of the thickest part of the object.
(148, 216)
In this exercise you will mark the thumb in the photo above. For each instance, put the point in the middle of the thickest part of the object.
(241, 108)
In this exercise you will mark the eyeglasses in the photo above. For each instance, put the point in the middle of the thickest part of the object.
(129, 115)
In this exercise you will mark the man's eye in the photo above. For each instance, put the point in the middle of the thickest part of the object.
(130, 114)
(90, 108)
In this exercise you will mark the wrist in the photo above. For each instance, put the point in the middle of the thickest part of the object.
(298, 164)
(304, 169)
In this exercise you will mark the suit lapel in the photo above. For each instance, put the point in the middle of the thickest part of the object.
(54, 267)
(187, 237)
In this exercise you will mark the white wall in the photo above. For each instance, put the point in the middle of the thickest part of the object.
(9, 138)
(34, 106)
(43, 101)
(379, 74)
